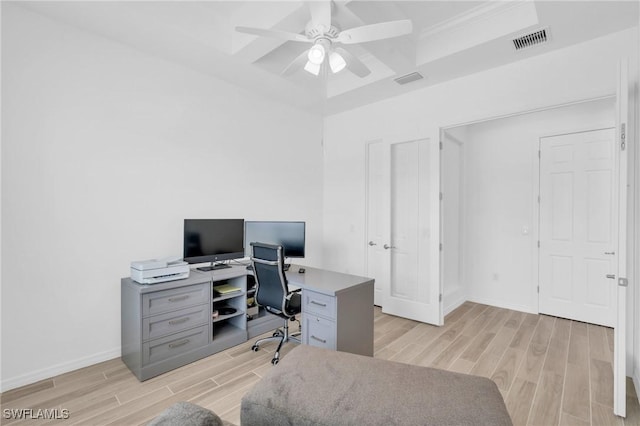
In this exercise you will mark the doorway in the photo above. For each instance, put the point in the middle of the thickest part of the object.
(496, 230)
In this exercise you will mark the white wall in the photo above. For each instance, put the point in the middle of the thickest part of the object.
(584, 71)
(105, 150)
(501, 211)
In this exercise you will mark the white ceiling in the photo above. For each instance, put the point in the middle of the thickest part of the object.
(450, 39)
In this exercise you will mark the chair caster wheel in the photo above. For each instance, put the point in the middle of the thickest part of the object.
(275, 361)
(255, 348)
(275, 334)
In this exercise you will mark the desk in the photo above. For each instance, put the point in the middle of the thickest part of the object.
(170, 324)
(337, 309)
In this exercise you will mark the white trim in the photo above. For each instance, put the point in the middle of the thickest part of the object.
(481, 120)
(55, 370)
(454, 305)
(501, 304)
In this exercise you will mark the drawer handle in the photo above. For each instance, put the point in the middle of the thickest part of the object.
(178, 321)
(324, 305)
(318, 339)
(177, 345)
(179, 299)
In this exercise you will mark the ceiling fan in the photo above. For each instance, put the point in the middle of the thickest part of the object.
(326, 39)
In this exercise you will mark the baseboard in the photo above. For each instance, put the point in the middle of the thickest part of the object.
(636, 384)
(453, 305)
(55, 370)
(501, 304)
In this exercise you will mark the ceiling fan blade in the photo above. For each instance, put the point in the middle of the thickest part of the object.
(354, 64)
(283, 35)
(296, 64)
(321, 13)
(375, 32)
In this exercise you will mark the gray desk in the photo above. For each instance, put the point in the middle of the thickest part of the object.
(337, 309)
(167, 325)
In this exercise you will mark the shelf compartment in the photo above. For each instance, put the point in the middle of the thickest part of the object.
(229, 296)
(226, 317)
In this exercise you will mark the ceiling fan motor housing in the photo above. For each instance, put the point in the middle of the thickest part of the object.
(319, 31)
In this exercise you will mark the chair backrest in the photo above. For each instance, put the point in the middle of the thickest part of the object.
(271, 282)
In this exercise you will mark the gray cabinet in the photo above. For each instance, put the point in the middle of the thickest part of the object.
(167, 325)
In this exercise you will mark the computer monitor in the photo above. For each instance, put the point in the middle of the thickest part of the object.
(213, 240)
(290, 235)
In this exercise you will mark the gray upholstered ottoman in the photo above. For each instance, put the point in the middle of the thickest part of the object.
(312, 386)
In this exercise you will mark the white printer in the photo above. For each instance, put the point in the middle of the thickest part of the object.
(159, 270)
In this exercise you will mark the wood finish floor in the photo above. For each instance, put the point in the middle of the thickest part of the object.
(551, 371)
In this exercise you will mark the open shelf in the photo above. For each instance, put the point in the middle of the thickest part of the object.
(229, 296)
(226, 317)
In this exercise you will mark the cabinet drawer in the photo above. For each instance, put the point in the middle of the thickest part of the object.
(319, 304)
(175, 298)
(319, 332)
(176, 344)
(172, 322)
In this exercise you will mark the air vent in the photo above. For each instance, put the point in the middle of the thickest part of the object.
(531, 39)
(408, 78)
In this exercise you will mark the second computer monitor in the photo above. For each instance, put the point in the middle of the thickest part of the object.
(290, 235)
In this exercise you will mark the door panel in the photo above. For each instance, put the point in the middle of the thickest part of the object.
(378, 217)
(405, 220)
(577, 218)
(399, 223)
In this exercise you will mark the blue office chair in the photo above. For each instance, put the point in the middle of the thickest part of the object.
(272, 292)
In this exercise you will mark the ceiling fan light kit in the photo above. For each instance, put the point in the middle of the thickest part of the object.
(326, 38)
(317, 53)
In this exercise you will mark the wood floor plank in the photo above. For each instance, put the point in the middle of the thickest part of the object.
(519, 400)
(579, 345)
(451, 352)
(410, 336)
(569, 420)
(546, 403)
(598, 345)
(577, 401)
(505, 371)
(490, 358)
(602, 382)
(124, 410)
(531, 366)
(28, 390)
(522, 338)
(147, 412)
(549, 371)
(603, 416)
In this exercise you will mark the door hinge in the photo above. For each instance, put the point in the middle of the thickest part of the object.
(440, 298)
(539, 154)
(538, 199)
(441, 196)
(623, 136)
(623, 282)
(538, 243)
(441, 145)
(538, 289)
(440, 246)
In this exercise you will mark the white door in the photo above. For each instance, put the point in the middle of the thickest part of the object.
(400, 241)
(378, 258)
(578, 226)
(619, 345)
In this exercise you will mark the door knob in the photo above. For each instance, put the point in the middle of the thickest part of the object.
(371, 243)
(387, 247)
(611, 276)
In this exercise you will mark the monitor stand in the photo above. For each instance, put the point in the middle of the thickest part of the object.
(213, 267)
